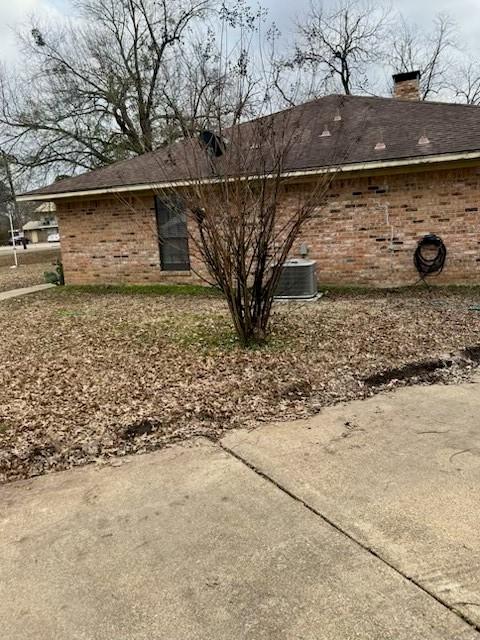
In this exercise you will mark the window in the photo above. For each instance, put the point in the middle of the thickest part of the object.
(172, 235)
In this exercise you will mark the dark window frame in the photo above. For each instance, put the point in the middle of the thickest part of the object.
(172, 233)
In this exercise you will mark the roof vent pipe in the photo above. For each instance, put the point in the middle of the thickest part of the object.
(380, 146)
(423, 139)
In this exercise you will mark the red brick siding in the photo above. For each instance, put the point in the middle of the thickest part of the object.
(369, 230)
(113, 240)
(407, 89)
(366, 234)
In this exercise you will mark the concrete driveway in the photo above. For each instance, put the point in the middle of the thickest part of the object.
(360, 523)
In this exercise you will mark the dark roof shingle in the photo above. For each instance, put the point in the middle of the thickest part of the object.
(365, 121)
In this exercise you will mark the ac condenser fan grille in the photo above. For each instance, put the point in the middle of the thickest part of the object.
(297, 280)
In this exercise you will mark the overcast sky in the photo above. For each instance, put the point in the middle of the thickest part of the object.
(465, 12)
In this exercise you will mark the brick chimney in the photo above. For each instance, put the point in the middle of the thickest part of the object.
(406, 86)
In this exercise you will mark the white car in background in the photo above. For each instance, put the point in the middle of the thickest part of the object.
(18, 240)
(53, 237)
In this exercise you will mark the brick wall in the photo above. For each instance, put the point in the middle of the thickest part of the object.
(112, 240)
(366, 234)
(368, 231)
(407, 89)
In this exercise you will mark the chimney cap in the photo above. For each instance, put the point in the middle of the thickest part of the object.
(406, 75)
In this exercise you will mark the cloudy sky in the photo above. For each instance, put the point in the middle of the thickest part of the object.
(15, 12)
(466, 13)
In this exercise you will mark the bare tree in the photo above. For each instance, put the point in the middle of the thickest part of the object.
(465, 82)
(12, 180)
(342, 43)
(241, 217)
(94, 90)
(236, 204)
(411, 48)
(8, 200)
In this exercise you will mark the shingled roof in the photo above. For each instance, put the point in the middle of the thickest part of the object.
(383, 130)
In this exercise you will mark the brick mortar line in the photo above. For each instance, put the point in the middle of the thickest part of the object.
(348, 535)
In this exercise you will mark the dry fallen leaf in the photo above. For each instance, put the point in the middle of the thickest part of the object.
(87, 377)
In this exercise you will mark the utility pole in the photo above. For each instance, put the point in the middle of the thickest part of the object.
(12, 231)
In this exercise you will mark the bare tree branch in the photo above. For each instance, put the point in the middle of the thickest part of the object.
(342, 43)
(242, 211)
(465, 84)
(411, 49)
(94, 89)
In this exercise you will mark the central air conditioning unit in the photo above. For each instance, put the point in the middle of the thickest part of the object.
(298, 280)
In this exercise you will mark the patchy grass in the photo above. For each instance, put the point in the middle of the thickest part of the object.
(198, 331)
(417, 290)
(86, 375)
(142, 289)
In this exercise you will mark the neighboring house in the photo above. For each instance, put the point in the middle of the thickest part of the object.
(414, 169)
(45, 227)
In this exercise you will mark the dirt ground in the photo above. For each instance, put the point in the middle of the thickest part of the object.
(85, 376)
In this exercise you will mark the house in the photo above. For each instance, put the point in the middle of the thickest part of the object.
(44, 227)
(413, 169)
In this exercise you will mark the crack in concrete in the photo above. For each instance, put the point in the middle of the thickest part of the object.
(457, 453)
(362, 545)
(421, 433)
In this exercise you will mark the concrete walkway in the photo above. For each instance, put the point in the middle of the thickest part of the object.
(16, 293)
(399, 473)
(360, 523)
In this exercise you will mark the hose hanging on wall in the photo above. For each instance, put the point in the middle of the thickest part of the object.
(427, 266)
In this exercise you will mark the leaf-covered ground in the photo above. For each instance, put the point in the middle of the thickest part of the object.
(85, 377)
(26, 275)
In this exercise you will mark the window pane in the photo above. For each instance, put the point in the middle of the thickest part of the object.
(172, 235)
(172, 224)
(174, 254)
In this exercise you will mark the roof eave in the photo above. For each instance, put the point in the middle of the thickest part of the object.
(351, 167)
